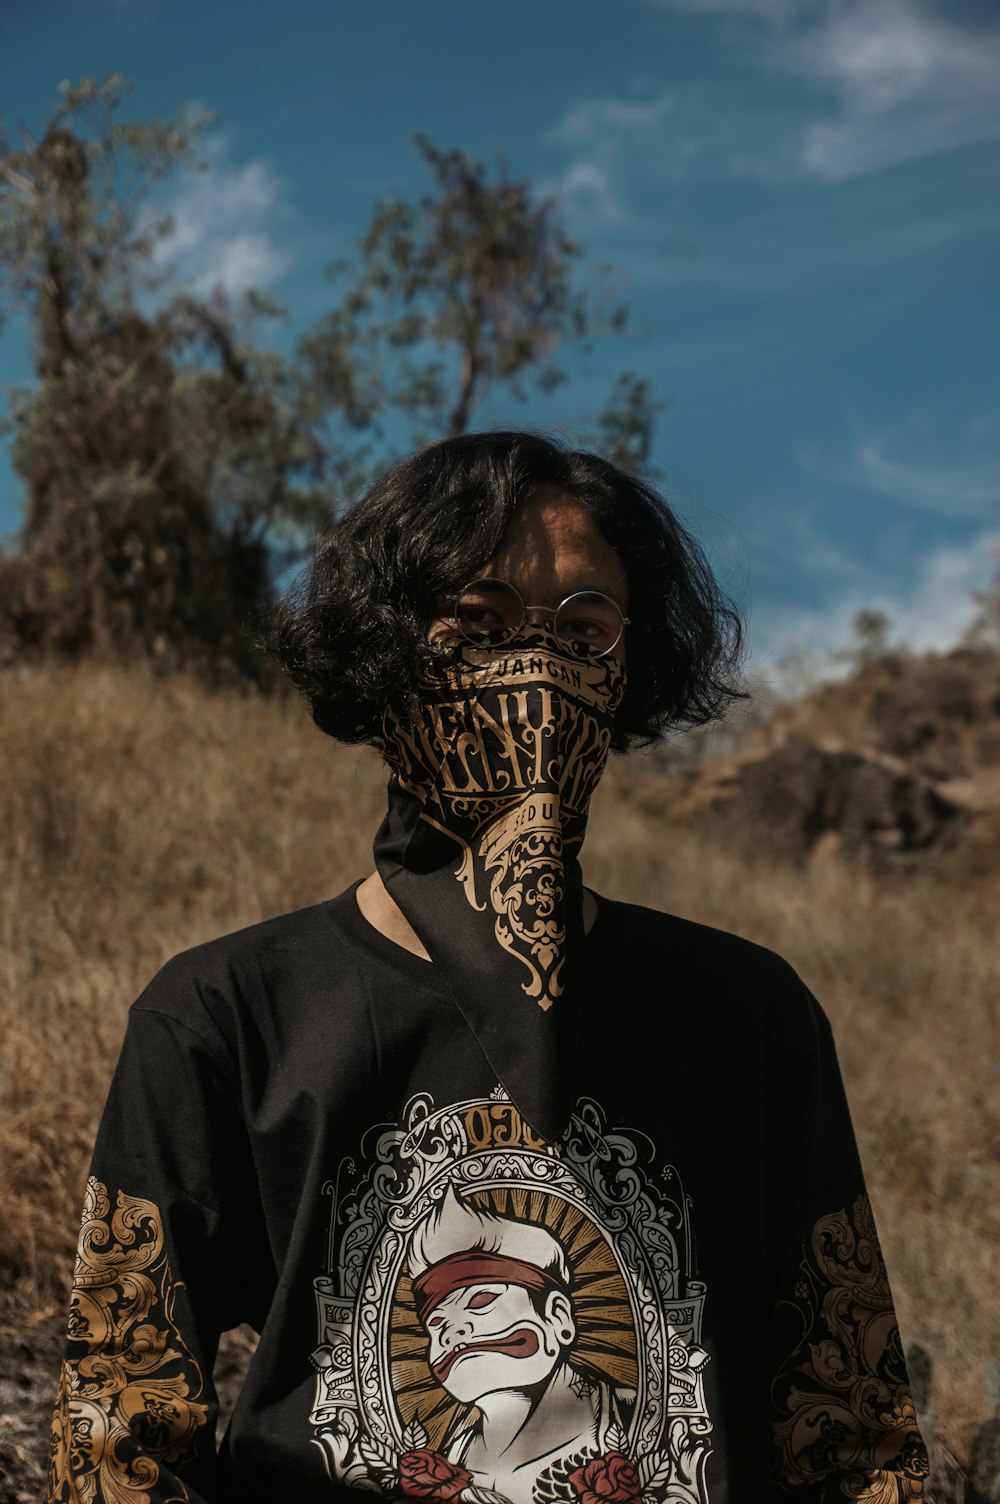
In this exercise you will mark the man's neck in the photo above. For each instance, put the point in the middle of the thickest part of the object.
(384, 914)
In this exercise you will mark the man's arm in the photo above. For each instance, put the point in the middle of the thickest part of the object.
(843, 1419)
(159, 1275)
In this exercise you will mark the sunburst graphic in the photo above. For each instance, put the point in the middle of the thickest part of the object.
(605, 1346)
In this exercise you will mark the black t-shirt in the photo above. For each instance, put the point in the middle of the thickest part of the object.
(682, 1299)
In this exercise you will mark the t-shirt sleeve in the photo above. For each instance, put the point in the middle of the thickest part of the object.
(169, 1257)
(843, 1420)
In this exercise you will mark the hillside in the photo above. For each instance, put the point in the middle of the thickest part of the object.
(141, 816)
(896, 768)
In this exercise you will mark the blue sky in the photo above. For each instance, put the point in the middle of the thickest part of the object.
(800, 198)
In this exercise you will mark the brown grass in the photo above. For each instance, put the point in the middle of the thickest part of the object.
(141, 817)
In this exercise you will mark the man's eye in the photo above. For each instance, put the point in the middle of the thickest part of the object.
(583, 629)
(478, 618)
(481, 1301)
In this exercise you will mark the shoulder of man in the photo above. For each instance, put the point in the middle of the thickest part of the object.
(209, 988)
(712, 965)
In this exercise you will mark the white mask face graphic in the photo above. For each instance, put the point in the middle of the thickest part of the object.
(489, 1337)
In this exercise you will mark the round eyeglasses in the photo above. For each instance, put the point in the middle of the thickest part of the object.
(491, 613)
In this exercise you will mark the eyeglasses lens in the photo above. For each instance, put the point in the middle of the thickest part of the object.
(488, 611)
(590, 622)
(491, 612)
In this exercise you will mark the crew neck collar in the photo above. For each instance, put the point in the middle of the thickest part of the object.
(346, 914)
(359, 931)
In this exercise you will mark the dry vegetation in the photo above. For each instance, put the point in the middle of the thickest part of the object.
(143, 816)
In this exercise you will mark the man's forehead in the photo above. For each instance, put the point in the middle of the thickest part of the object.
(553, 548)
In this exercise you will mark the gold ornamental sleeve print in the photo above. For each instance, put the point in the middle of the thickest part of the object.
(129, 1398)
(845, 1421)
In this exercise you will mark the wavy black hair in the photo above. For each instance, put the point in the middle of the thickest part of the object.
(350, 632)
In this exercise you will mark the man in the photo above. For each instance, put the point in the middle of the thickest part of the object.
(324, 1124)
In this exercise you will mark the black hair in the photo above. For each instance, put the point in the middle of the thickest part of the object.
(350, 633)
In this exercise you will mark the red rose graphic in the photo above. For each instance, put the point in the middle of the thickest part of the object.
(428, 1475)
(611, 1479)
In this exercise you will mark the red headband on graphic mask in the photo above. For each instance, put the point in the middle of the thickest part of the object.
(470, 1268)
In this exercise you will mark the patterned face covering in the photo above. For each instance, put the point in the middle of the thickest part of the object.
(488, 804)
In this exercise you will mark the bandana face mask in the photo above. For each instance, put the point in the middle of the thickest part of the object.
(493, 777)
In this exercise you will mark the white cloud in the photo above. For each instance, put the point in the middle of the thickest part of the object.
(970, 492)
(876, 84)
(925, 589)
(906, 85)
(599, 130)
(586, 192)
(929, 610)
(622, 152)
(672, 134)
(223, 230)
(596, 117)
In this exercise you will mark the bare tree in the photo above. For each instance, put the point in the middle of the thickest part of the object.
(475, 286)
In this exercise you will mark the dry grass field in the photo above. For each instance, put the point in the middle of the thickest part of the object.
(142, 816)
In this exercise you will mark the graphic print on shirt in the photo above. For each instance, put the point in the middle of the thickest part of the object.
(843, 1403)
(507, 1320)
(131, 1383)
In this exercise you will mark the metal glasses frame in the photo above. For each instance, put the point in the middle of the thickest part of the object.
(552, 611)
